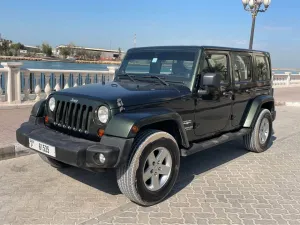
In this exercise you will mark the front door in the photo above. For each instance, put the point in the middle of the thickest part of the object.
(213, 111)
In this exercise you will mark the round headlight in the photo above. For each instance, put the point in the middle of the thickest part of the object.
(52, 104)
(103, 114)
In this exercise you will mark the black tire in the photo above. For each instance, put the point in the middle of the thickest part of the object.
(54, 163)
(252, 140)
(130, 175)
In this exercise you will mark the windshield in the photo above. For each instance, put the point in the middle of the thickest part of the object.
(176, 66)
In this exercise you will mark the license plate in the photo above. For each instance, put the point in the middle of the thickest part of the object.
(42, 147)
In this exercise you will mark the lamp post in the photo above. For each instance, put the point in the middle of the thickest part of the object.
(254, 7)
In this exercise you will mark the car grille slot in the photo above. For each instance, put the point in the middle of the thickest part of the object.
(73, 116)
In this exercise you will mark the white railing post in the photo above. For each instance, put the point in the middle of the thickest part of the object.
(47, 87)
(83, 77)
(57, 79)
(75, 79)
(111, 72)
(38, 89)
(13, 81)
(26, 90)
(288, 79)
(66, 79)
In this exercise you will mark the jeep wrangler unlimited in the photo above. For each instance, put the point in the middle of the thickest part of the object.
(163, 104)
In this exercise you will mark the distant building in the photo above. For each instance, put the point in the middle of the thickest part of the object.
(106, 54)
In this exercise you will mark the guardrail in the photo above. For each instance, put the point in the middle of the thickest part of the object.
(17, 85)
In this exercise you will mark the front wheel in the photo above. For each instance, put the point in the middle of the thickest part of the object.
(258, 139)
(152, 170)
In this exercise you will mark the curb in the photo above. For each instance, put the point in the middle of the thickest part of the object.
(14, 150)
(295, 104)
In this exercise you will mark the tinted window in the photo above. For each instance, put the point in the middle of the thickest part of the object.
(262, 68)
(242, 67)
(216, 63)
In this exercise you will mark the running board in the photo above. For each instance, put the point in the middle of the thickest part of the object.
(197, 147)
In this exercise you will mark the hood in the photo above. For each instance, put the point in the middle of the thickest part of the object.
(130, 93)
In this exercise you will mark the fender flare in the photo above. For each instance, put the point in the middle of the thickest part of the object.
(38, 108)
(255, 107)
(120, 125)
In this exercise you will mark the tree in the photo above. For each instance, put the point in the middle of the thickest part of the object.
(65, 51)
(16, 47)
(4, 47)
(47, 49)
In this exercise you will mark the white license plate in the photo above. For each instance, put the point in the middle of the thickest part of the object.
(42, 147)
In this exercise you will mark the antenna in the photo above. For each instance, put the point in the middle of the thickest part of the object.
(134, 41)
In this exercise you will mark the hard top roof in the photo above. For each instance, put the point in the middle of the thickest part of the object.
(192, 47)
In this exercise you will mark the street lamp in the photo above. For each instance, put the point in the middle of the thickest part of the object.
(254, 7)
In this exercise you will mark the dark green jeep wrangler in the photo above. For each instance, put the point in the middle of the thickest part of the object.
(164, 103)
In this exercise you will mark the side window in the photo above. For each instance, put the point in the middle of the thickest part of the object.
(216, 63)
(262, 68)
(242, 67)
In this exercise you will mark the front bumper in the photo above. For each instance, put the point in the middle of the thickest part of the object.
(76, 151)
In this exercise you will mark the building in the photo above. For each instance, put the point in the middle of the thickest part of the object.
(104, 54)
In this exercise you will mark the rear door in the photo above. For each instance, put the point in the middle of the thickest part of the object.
(243, 84)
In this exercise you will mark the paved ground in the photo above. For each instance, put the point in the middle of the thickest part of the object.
(290, 94)
(224, 185)
(10, 120)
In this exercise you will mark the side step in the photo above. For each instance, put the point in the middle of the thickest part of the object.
(197, 147)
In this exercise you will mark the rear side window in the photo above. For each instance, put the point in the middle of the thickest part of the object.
(242, 67)
(262, 68)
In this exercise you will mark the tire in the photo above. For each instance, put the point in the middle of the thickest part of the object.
(54, 163)
(130, 176)
(253, 141)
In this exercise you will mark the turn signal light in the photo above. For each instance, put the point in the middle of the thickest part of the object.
(46, 119)
(100, 132)
(134, 129)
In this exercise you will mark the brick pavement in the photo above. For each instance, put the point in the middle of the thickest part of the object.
(290, 94)
(10, 120)
(223, 185)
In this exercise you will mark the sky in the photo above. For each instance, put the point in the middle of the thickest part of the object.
(112, 24)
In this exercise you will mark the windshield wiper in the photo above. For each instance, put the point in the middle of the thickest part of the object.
(158, 78)
(131, 77)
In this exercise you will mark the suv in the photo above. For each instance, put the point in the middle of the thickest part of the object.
(164, 103)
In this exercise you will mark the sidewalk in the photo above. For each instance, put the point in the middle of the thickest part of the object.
(289, 96)
(12, 117)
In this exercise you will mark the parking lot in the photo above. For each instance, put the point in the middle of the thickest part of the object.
(224, 185)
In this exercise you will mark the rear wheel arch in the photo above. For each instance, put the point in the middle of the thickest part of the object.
(260, 102)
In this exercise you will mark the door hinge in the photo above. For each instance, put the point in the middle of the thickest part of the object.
(231, 117)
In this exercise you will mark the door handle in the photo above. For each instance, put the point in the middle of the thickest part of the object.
(248, 91)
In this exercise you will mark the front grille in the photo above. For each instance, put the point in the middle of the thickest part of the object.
(72, 116)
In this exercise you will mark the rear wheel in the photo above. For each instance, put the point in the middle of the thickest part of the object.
(152, 171)
(54, 163)
(258, 139)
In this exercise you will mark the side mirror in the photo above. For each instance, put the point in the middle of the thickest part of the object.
(211, 80)
(207, 81)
